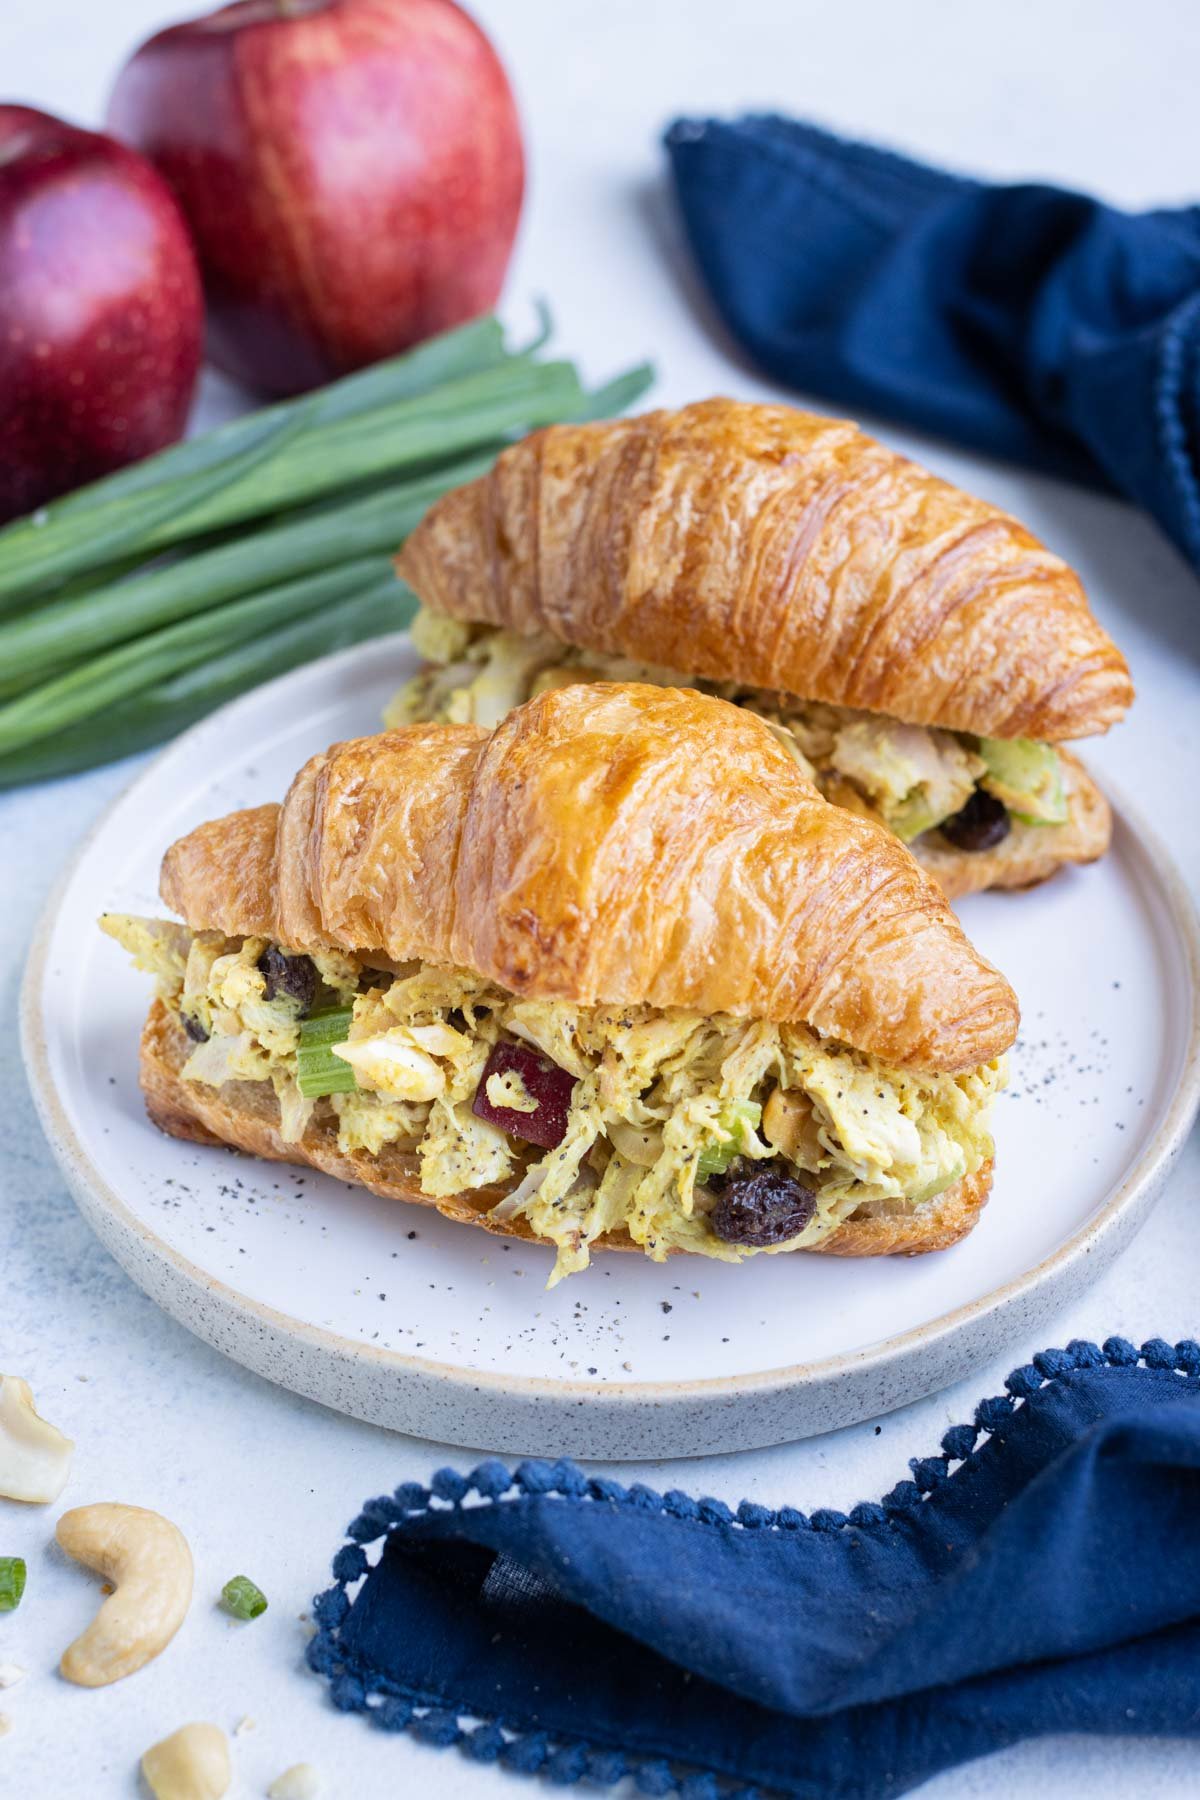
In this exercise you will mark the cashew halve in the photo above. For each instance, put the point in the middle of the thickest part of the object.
(191, 1764)
(35, 1457)
(148, 1562)
(297, 1783)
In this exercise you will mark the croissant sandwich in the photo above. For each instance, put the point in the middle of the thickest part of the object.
(918, 652)
(613, 975)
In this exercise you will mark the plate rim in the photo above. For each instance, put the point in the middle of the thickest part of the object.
(1141, 1182)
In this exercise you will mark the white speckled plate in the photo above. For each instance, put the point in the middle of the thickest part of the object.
(390, 1313)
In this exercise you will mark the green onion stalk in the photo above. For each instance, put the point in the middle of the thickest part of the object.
(136, 605)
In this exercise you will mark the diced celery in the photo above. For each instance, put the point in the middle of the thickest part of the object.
(737, 1119)
(1027, 778)
(318, 1070)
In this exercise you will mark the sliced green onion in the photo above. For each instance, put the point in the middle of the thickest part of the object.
(243, 1598)
(12, 1582)
(318, 1070)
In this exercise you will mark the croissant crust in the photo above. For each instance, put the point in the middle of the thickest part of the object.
(783, 550)
(609, 844)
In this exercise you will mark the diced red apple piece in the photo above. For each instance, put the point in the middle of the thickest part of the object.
(542, 1080)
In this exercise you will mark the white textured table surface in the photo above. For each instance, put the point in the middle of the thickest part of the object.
(1097, 94)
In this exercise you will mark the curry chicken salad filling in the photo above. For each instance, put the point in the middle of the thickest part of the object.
(712, 1134)
(911, 778)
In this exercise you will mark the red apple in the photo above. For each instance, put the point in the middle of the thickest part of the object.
(351, 170)
(101, 313)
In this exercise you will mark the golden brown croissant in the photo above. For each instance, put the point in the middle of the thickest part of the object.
(611, 861)
(788, 555)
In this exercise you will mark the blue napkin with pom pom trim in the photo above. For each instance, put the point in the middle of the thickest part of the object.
(1021, 320)
(1042, 1574)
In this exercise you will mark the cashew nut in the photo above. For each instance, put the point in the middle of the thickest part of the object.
(11, 1673)
(191, 1764)
(148, 1561)
(297, 1783)
(788, 1124)
(35, 1458)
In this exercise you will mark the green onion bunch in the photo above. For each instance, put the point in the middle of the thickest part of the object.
(139, 603)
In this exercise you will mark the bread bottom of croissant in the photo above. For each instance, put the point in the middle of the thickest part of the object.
(244, 1115)
(475, 674)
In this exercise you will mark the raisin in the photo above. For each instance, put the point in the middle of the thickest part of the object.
(194, 1028)
(980, 825)
(294, 977)
(760, 1203)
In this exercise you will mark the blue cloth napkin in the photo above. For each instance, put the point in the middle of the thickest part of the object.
(1042, 1574)
(1024, 321)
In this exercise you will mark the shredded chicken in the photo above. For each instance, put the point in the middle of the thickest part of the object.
(662, 1100)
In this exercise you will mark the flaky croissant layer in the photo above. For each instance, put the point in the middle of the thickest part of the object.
(975, 812)
(782, 550)
(609, 845)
